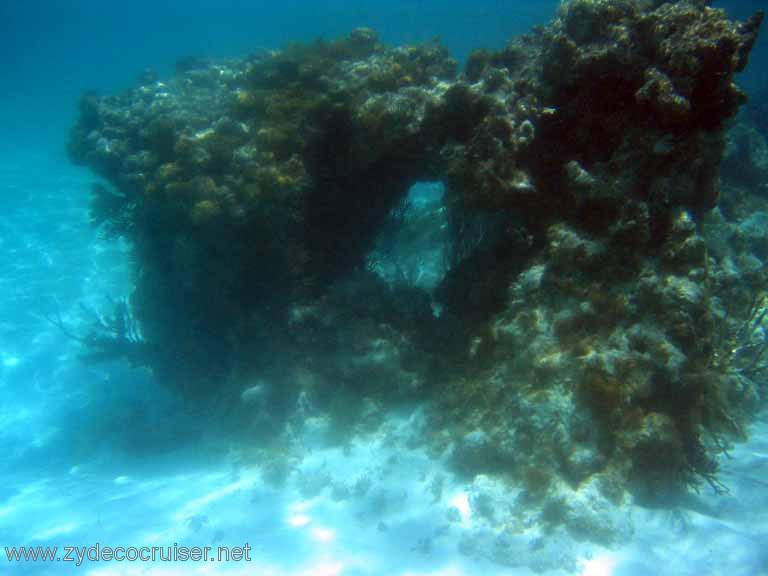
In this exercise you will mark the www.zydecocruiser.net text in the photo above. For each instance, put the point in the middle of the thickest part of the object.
(98, 553)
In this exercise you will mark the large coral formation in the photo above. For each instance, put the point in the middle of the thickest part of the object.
(585, 329)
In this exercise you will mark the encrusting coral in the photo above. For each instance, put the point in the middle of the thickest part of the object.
(588, 329)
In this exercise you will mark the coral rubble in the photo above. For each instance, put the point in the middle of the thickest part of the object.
(600, 320)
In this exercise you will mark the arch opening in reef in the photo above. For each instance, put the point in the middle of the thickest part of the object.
(412, 246)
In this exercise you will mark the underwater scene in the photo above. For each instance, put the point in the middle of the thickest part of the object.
(406, 288)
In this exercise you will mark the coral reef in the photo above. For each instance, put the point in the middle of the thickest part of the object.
(599, 323)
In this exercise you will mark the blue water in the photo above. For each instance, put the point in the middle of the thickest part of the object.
(74, 464)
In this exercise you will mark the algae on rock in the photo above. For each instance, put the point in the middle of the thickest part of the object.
(578, 336)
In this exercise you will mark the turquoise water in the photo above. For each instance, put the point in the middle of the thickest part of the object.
(105, 454)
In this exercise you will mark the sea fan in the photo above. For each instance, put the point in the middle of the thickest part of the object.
(112, 211)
